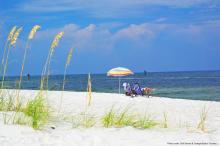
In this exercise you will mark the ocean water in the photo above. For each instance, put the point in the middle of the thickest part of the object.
(196, 85)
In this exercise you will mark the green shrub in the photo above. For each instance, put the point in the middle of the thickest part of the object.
(144, 122)
(124, 118)
(38, 110)
(108, 118)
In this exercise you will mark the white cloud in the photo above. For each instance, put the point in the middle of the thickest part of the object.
(135, 31)
(99, 38)
(86, 32)
(162, 19)
(93, 37)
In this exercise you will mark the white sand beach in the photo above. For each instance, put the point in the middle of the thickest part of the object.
(182, 119)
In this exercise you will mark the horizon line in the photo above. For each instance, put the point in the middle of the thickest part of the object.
(138, 72)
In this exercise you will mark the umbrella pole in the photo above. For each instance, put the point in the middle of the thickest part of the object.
(119, 85)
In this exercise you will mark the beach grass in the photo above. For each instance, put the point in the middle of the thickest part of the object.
(108, 118)
(7, 104)
(124, 117)
(6, 52)
(13, 36)
(144, 122)
(6, 117)
(46, 69)
(165, 123)
(89, 91)
(203, 118)
(68, 59)
(38, 110)
(21, 119)
(2, 104)
(10, 35)
(30, 37)
(17, 118)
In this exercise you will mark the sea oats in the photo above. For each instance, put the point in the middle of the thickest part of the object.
(89, 90)
(56, 41)
(33, 32)
(69, 57)
(64, 75)
(15, 36)
(30, 37)
(11, 34)
(45, 70)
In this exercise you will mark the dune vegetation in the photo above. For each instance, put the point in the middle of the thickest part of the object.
(37, 108)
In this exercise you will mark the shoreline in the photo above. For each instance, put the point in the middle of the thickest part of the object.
(71, 91)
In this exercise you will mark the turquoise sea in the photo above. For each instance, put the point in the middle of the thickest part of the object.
(196, 85)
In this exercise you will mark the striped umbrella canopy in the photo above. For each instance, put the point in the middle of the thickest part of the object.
(119, 72)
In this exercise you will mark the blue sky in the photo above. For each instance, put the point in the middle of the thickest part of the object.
(152, 35)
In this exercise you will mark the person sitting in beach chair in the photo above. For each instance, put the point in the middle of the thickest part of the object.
(137, 89)
(127, 89)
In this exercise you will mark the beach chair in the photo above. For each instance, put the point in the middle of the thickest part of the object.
(137, 89)
(127, 89)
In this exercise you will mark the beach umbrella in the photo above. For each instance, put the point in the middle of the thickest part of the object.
(119, 72)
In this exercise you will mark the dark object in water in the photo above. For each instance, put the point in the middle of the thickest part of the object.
(29, 76)
(145, 72)
(53, 127)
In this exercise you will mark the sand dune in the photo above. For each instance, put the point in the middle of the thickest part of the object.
(183, 117)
